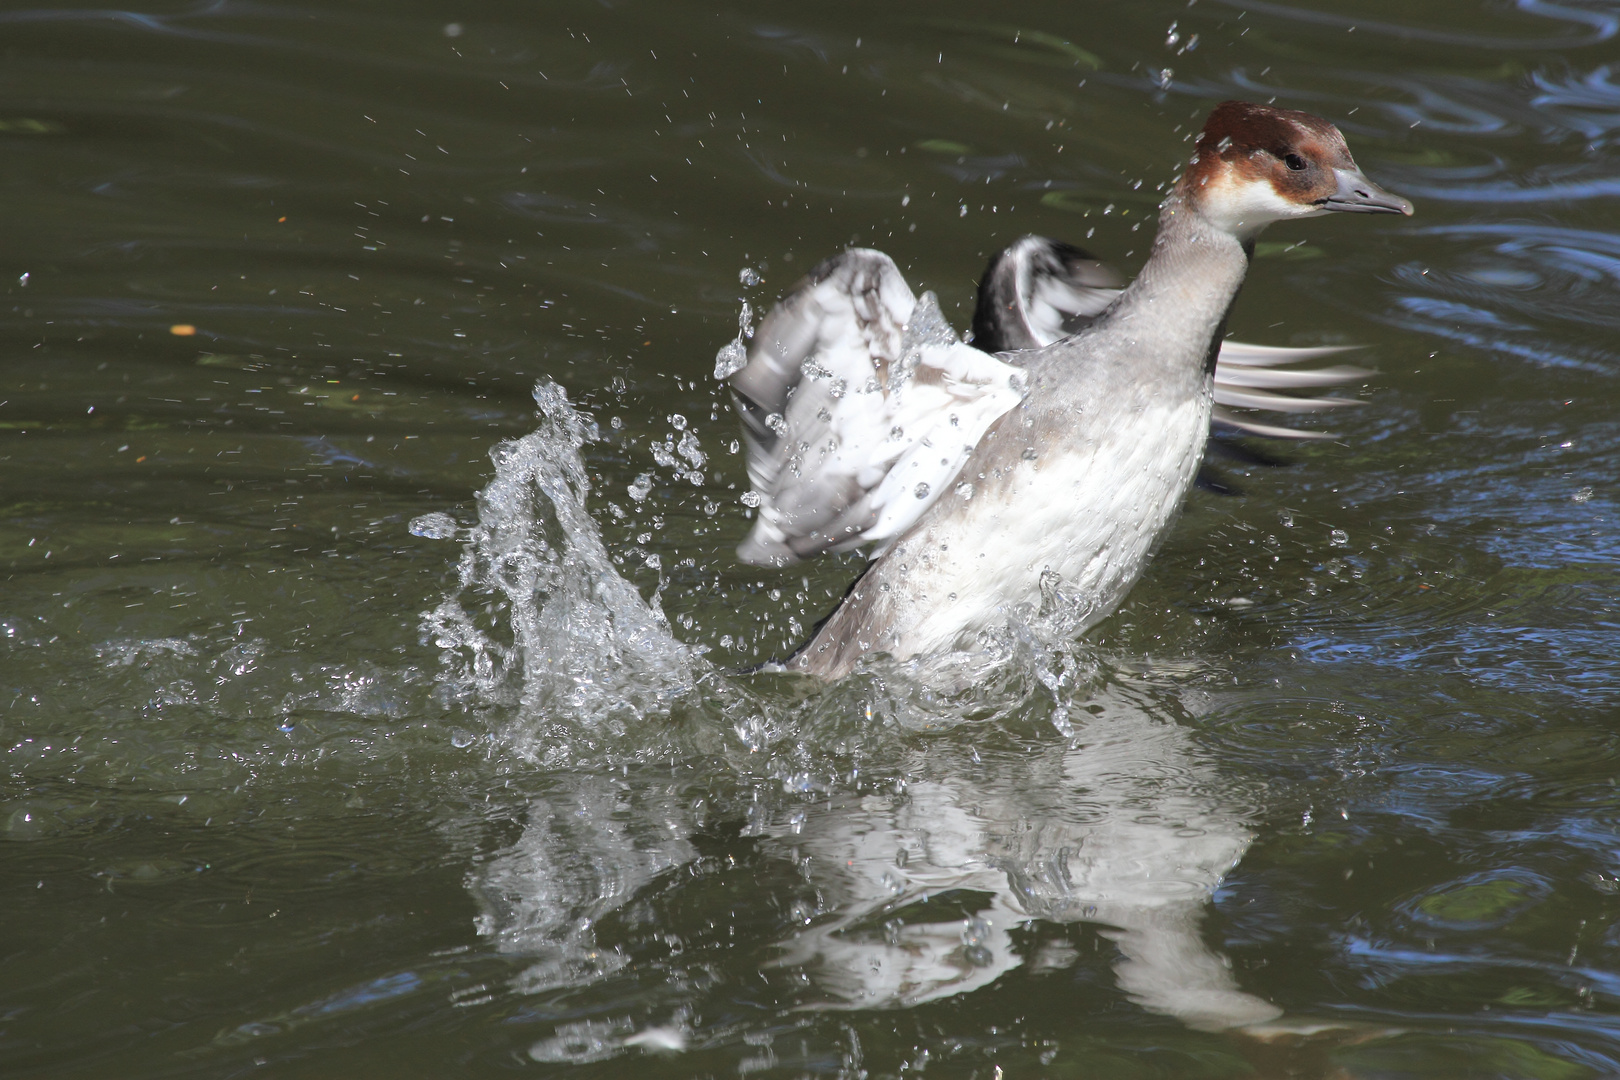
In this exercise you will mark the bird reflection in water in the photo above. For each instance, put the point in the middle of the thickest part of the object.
(1125, 826)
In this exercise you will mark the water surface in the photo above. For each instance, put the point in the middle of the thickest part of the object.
(293, 788)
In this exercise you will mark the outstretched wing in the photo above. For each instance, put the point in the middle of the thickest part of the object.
(1249, 376)
(1038, 290)
(859, 405)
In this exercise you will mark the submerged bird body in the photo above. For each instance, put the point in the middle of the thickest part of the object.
(987, 483)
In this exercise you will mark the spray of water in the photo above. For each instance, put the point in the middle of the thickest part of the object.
(581, 654)
(874, 788)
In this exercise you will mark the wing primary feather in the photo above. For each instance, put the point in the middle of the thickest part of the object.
(1223, 417)
(1260, 399)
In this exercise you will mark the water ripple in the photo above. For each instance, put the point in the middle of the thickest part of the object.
(1589, 104)
(1603, 25)
(157, 24)
(1509, 192)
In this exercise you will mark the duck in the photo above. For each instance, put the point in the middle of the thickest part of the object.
(1032, 293)
(1050, 460)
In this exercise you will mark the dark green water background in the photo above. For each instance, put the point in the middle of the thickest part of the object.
(249, 825)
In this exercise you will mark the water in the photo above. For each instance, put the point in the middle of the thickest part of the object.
(366, 713)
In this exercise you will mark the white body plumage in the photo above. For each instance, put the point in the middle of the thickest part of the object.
(1086, 515)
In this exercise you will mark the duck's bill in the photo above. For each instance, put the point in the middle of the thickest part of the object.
(1359, 195)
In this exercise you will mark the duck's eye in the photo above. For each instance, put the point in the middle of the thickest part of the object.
(1294, 162)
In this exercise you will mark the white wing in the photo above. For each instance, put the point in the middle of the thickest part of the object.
(859, 405)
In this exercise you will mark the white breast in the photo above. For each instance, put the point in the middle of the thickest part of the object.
(1091, 513)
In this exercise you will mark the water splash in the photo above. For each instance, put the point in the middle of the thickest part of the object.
(926, 328)
(583, 1041)
(581, 651)
(853, 774)
(434, 526)
(733, 355)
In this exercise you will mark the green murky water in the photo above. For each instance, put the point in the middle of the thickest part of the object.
(277, 279)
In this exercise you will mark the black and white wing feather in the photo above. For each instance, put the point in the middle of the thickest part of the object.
(1037, 291)
(859, 405)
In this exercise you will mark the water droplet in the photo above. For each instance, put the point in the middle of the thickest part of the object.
(921, 491)
(733, 355)
(585, 1041)
(642, 487)
(732, 358)
(434, 527)
(688, 449)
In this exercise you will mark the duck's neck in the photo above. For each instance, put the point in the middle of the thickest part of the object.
(1175, 311)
